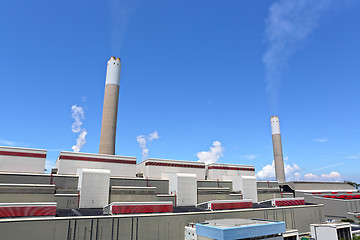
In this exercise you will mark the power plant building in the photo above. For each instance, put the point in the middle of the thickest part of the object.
(221, 171)
(154, 199)
(25, 160)
(119, 166)
(157, 168)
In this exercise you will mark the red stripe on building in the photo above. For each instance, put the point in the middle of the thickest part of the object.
(280, 203)
(163, 164)
(126, 209)
(232, 168)
(91, 159)
(22, 154)
(27, 211)
(233, 205)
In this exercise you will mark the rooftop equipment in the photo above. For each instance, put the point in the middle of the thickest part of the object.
(93, 188)
(27, 209)
(331, 231)
(226, 204)
(138, 207)
(184, 187)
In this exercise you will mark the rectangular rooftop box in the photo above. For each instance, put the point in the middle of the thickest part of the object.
(281, 202)
(24, 160)
(138, 207)
(217, 171)
(226, 204)
(12, 210)
(154, 168)
(120, 166)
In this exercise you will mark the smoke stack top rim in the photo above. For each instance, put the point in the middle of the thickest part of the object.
(275, 125)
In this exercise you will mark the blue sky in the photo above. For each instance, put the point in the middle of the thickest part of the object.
(196, 72)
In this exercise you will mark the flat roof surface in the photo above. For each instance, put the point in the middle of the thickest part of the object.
(231, 223)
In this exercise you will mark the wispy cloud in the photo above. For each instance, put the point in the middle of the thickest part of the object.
(212, 155)
(249, 156)
(11, 143)
(353, 157)
(321, 140)
(77, 113)
(143, 140)
(287, 26)
(329, 166)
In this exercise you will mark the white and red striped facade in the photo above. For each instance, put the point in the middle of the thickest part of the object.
(27, 210)
(24, 160)
(226, 204)
(281, 202)
(119, 166)
(138, 207)
(155, 168)
(220, 171)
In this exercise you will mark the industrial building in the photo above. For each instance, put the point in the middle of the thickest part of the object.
(105, 196)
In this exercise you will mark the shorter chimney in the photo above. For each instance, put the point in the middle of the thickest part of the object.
(277, 148)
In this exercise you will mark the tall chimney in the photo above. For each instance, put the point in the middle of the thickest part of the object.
(278, 154)
(111, 99)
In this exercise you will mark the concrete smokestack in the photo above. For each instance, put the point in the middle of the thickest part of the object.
(278, 154)
(111, 99)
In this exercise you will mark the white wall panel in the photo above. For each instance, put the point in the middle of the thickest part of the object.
(22, 160)
(94, 186)
(184, 186)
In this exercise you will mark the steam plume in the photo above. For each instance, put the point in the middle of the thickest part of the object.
(287, 26)
(77, 113)
(141, 139)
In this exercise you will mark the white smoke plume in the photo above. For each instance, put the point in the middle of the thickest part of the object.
(141, 139)
(211, 156)
(77, 113)
(288, 25)
(122, 12)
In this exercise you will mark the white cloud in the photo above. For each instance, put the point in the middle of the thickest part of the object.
(321, 140)
(267, 172)
(212, 155)
(249, 156)
(310, 176)
(287, 26)
(331, 176)
(291, 172)
(353, 157)
(141, 139)
(77, 113)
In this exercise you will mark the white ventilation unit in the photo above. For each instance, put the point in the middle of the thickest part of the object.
(247, 186)
(184, 187)
(93, 186)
